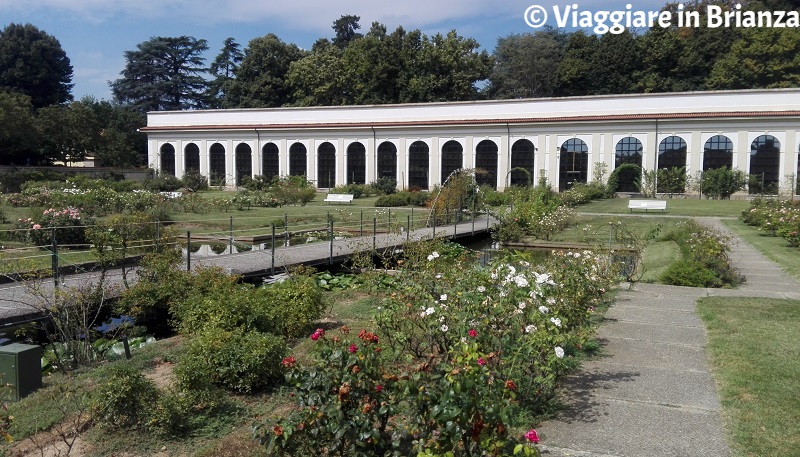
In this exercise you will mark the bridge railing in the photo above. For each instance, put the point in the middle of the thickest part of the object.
(51, 251)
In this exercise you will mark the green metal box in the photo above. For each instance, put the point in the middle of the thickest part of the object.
(20, 370)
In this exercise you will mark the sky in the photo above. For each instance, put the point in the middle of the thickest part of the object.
(96, 33)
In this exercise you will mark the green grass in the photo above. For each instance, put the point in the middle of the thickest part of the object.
(657, 257)
(755, 358)
(773, 247)
(600, 231)
(675, 207)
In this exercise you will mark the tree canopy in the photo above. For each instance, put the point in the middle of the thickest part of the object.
(164, 73)
(33, 63)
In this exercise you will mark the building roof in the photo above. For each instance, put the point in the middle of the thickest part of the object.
(684, 105)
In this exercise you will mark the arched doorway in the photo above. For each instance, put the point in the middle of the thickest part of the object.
(326, 166)
(522, 155)
(270, 161)
(297, 159)
(167, 164)
(387, 160)
(356, 163)
(486, 164)
(216, 158)
(574, 163)
(452, 158)
(765, 156)
(244, 163)
(418, 165)
(672, 159)
(191, 158)
(628, 151)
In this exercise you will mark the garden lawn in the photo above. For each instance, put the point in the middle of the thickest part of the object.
(756, 362)
(774, 248)
(599, 231)
(675, 207)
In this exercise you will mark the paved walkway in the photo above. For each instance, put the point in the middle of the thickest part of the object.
(651, 393)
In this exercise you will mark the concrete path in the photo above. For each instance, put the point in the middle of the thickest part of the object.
(651, 393)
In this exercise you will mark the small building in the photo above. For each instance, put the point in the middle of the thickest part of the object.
(419, 145)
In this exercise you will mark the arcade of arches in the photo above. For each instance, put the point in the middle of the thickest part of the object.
(573, 156)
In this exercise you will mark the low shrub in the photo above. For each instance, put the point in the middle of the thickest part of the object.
(163, 183)
(124, 398)
(357, 190)
(194, 181)
(237, 360)
(298, 301)
(383, 186)
(689, 273)
(403, 198)
(491, 197)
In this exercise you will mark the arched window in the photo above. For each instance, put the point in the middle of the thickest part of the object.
(486, 163)
(718, 153)
(297, 159)
(167, 165)
(628, 151)
(244, 163)
(418, 165)
(387, 160)
(270, 163)
(216, 157)
(356, 164)
(522, 155)
(191, 157)
(672, 152)
(765, 156)
(574, 159)
(452, 158)
(326, 166)
(672, 158)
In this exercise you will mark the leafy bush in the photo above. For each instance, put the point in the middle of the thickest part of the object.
(704, 248)
(124, 398)
(70, 227)
(721, 183)
(403, 198)
(491, 197)
(163, 183)
(238, 360)
(689, 273)
(193, 180)
(298, 301)
(292, 190)
(357, 190)
(384, 186)
(627, 170)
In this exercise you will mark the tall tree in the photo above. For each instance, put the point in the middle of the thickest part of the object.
(71, 132)
(33, 63)
(320, 79)
(446, 68)
(575, 72)
(164, 73)
(223, 68)
(345, 28)
(121, 144)
(761, 58)
(525, 64)
(261, 78)
(19, 137)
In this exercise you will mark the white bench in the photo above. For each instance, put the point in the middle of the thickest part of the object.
(647, 205)
(339, 198)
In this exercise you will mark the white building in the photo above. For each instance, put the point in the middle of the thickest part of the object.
(756, 131)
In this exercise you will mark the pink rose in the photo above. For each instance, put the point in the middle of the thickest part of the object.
(532, 436)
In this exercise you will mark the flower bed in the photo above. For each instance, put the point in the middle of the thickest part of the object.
(775, 217)
(459, 353)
